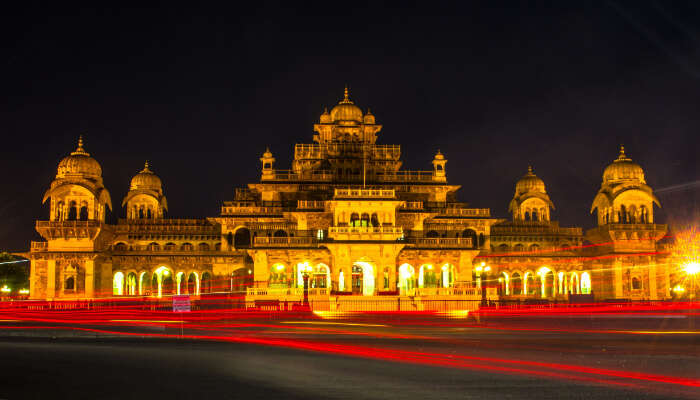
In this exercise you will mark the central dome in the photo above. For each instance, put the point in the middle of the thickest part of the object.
(346, 110)
(623, 168)
(529, 183)
(79, 162)
(146, 179)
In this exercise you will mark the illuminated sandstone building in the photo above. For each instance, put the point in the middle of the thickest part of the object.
(349, 219)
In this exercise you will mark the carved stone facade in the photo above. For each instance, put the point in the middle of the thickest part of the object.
(348, 220)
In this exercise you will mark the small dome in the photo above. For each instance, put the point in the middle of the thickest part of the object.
(369, 118)
(439, 156)
(146, 179)
(79, 162)
(267, 153)
(325, 117)
(529, 183)
(346, 110)
(623, 168)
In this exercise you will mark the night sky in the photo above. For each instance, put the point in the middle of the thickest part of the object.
(496, 86)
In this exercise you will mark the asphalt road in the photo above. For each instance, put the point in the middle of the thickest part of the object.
(312, 359)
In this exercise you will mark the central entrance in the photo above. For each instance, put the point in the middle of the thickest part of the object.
(362, 278)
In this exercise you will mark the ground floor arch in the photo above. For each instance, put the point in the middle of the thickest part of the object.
(407, 280)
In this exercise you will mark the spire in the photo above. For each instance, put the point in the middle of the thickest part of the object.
(80, 150)
(623, 156)
(346, 98)
(145, 167)
(529, 170)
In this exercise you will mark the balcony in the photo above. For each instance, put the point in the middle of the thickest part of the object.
(442, 243)
(369, 233)
(310, 204)
(284, 242)
(322, 151)
(450, 291)
(250, 210)
(466, 212)
(364, 194)
(38, 246)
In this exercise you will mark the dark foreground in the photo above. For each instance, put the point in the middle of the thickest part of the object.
(306, 358)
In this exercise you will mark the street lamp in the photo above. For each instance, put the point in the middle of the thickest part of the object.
(305, 268)
(692, 269)
(483, 271)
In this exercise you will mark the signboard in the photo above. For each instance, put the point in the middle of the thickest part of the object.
(181, 303)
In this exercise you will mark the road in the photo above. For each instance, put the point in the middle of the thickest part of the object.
(301, 357)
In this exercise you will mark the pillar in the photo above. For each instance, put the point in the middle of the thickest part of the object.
(653, 293)
(617, 282)
(50, 279)
(89, 279)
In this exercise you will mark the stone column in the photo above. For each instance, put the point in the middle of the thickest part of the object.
(653, 294)
(89, 279)
(617, 282)
(50, 279)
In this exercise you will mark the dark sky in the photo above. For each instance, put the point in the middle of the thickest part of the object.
(496, 86)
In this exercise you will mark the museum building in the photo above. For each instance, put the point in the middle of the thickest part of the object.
(351, 223)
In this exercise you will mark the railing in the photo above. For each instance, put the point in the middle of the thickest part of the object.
(310, 204)
(637, 227)
(542, 229)
(366, 229)
(466, 212)
(39, 246)
(253, 210)
(449, 291)
(365, 193)
(406, 176)
(442, 242)
(412, 205)
(325, 150)
(69, 224)
(284, 241)
(168, 226)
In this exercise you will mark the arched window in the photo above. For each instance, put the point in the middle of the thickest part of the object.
(623, 214)
(527, 215)
(364, 220)
(516, 283)
(205, 286)
(374, 221)
(170, 246)
(203, 247)
(141, 214)
(73, 211)
(534, 248)
(70, 283)
(241, 239)
(585, 283)
(432, 234)
(153, 246)
(187, 247)
(636, 283)
(120, 247)
(534, 215)
(503, 248)
(471, 234)
(280, 233)
(118, 284)
(131, 284)
(83, 212)
(279, 275)
(518, 247)
(148, 213)
(354, 219)
(217, 247)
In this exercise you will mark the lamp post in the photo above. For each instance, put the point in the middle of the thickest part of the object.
(305, 268)
(483, 270)
(693, 270)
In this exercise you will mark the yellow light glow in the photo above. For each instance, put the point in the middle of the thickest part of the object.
(487, 268)
(279, 267)
(478, 269)
(24, 291)
(430, 267)
(692, 268)
(5, 289)
(543, 271)
(678, 289)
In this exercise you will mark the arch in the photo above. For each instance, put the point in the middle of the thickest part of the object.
(203, 247)
(162, 282)
(535, 215)
(503, 284)
(280, 233)
(153, 246)
(432, 234)
(547, 282)
(144, 283)
(573, 283)
(241, 239)
(470, 233)
(585, 283)
(121, 246)
(534, 247)
(562, 282)
(529, 287)
(364, 219)
(279, 276)
(187, 247)
(516, 283)
(447, 275)
(519, 247)
(131, 288)
(72, 211)
(69, 284)
(503, 248)
(374, 220)
(321, 276)
(363, 278)
(180, 283)
(427, 278)
(407, 280)
(170, 246)
(205, 284)
(193, 283)
(527, 215)
(636, 283)
(118, 284)
(217, 247)
(83, 214)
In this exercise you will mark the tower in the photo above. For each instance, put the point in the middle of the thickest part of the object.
(530, 201)
(439, 173)
(268, 163)
(145, 199)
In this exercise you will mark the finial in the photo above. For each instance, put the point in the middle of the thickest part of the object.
(346, 97)
(145, 167)
(529, 169)
(325, 110)
(80, 150)
(369, 112)
(622, 156)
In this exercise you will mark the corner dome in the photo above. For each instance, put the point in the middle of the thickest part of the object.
(529, 183)
(623, 168)
(79, 163)
(325, 117)
(346, 110)
(146, 179)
